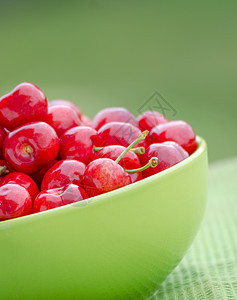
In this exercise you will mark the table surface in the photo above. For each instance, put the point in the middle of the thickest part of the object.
(209, 268)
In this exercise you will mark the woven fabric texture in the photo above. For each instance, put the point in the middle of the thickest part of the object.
(209, 268)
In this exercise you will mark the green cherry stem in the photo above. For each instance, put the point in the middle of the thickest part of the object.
(137, 150)
(140, 138)
(153, 162)
(96, 149)
(3, 170)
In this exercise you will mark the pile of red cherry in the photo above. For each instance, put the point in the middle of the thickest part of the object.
(52, 147)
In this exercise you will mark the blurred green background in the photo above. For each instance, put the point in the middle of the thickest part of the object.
(118, 53)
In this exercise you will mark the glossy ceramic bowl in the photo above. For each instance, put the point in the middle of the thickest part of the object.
(120, 245)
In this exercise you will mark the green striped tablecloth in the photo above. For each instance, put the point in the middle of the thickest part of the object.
(209, 268)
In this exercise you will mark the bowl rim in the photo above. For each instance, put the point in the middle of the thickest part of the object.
(202, 148)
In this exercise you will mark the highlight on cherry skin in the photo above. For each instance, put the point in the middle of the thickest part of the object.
(52, 154)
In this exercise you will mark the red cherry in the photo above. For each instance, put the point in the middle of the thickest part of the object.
(15, 201)
(176, 131)
(26, 103)
(39, 175)
(117, 133)
(62, 118)
(76, 143)
(62, 173)
(168, 154)
(113, 114)
(30, 147)
(86, 121)
(103, 175)
(3, 135)
(58, 197)
(129, 161)
(67, 103)
(23, 180)
(150, 119)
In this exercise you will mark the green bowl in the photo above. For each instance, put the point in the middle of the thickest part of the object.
(119, 245)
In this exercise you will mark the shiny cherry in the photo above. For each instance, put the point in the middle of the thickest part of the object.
(26, 103)
(62, 173)
(58, 197)
(176, 131)
(113, 114)
(30, 147)
(67, 103)
(3, 135)
(62, 118)
(15, 201)
(117, 133)
(103, 175)
(129, 161)
(23, 180)
(150, 119)
(168, 153)
(76, 143)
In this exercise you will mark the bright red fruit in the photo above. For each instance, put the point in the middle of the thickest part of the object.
(3, 135)
(62, 118)
(129, 161)
(117, 133)
(113, 114)
(168, 153)
(62, 173)
(15, 201)
(23, 180)
(30, 147)
(67, 103)
(76, 143)
(26, 103)
(58, 197)
(176, 131)
(104, 175)
(150, 119)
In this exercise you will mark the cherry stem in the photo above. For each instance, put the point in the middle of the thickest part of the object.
(96, 149)
(153, 162)
(140, 138)
(3, 170)
(137, 150)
